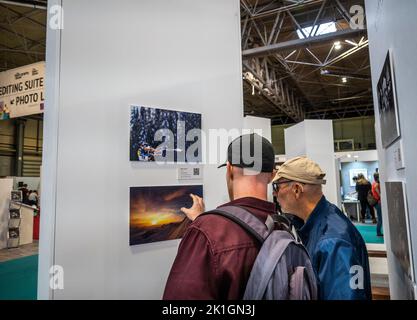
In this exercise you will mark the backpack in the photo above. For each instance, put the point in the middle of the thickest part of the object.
(371, 199)
(282, 268)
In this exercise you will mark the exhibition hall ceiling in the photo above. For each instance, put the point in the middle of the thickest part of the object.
(301, 58)
(22, 33)
(305, 60)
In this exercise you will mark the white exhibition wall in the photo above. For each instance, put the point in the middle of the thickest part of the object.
(392, 25)
(263, 125)
(180, 55)
(314, 139)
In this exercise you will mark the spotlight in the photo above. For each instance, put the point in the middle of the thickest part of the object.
(337, 45)
(344, 79)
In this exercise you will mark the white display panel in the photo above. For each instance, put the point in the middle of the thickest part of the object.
(314, 139)
(388, 33)
(148, 52)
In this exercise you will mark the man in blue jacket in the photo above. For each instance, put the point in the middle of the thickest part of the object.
(336, 248)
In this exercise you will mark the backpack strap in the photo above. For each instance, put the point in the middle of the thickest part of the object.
(275, 246)
(246, 220)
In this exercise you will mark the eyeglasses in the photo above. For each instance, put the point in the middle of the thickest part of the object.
(276, 185)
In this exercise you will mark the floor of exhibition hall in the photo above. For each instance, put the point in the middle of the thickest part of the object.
(19, 272)
(19, 268)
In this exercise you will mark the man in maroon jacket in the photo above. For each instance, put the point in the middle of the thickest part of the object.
(215, 256)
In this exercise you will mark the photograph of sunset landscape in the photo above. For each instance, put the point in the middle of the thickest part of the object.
(155, 212)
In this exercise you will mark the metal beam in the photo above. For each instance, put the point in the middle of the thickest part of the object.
(276, 92)
(292, 44)
(296, 5)
(21, 51)
(22, 36)
(31, 4)
(9, 9)
(20, 134)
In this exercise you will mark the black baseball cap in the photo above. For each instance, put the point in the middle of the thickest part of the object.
(251, 151)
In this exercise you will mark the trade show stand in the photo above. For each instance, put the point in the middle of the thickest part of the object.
(6, 187)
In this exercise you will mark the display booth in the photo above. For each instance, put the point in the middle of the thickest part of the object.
(6, 187)
(350, 164)
(24, 221)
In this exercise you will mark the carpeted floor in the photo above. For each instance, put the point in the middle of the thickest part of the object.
(368, 233)
(19, 279)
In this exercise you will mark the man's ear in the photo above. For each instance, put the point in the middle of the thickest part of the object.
(297, 190)
(229, 169)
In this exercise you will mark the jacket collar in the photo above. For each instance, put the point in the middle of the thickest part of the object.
(253, 203)
(312, 220)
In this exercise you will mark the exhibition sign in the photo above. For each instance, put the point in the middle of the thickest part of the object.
(22, 91)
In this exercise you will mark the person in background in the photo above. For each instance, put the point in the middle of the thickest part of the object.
(33, 198)
(376, 192)
(363, 187)
(25, 193)
(336, 248)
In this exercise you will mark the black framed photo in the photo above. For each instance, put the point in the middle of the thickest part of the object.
(387, 104)
(399, 225)
(14, 213)
(14, 233)
(16, 195)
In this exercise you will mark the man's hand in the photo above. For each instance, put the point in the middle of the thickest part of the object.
(197, 208)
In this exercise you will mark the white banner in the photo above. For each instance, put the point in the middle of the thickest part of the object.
(22, 91)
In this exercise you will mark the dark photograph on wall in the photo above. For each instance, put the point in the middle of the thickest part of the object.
(14, 233)
(398, 223)
(164, 135)
(155, 212)
(16, 195)
(387, 102)
(14, 213)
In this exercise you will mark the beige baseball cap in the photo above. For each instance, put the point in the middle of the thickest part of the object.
(301, 169)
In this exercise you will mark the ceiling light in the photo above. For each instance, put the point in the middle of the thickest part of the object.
(349, 156)
(352, 43)
(344, 79)
(324, 28)
(337, 45)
